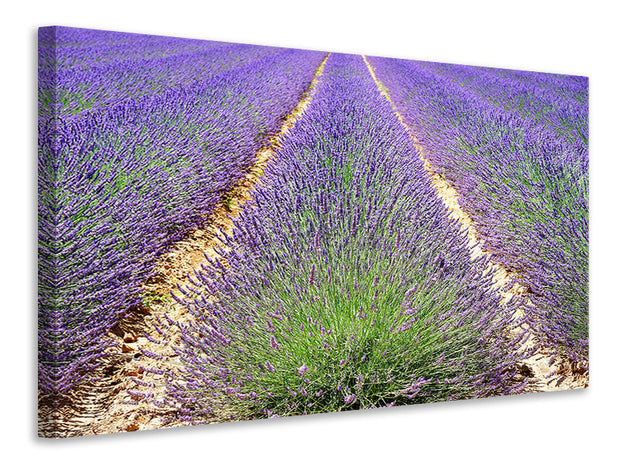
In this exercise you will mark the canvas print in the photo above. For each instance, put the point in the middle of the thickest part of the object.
(231, 232)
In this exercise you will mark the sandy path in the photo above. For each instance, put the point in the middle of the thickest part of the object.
(544, 372)
(119, 396)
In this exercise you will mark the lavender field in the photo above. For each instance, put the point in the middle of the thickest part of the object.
(230, 232)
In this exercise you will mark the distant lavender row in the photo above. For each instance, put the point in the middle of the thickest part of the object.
(524, 185)
(347, 285)
(558, 103)
(65, 47)
(73, 90)
(118, 185)
(571, 87)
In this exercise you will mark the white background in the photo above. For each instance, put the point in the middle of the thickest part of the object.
(563, 37)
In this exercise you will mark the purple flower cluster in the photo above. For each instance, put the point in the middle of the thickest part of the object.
(122, 181)
(514, 145)
(348, 286)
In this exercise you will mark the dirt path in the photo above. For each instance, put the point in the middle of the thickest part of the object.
(544, 372)
(120, 394)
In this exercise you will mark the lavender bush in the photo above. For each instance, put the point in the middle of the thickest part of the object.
(347, 285)
(514, 145)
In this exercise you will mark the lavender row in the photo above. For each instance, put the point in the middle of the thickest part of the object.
(66, 47)
(524, 186)
(119, 185)
(71, 91)
(347, 285)
(558, 103)
(79, 90)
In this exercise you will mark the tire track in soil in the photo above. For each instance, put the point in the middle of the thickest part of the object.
(543, 372)
(119, 396)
